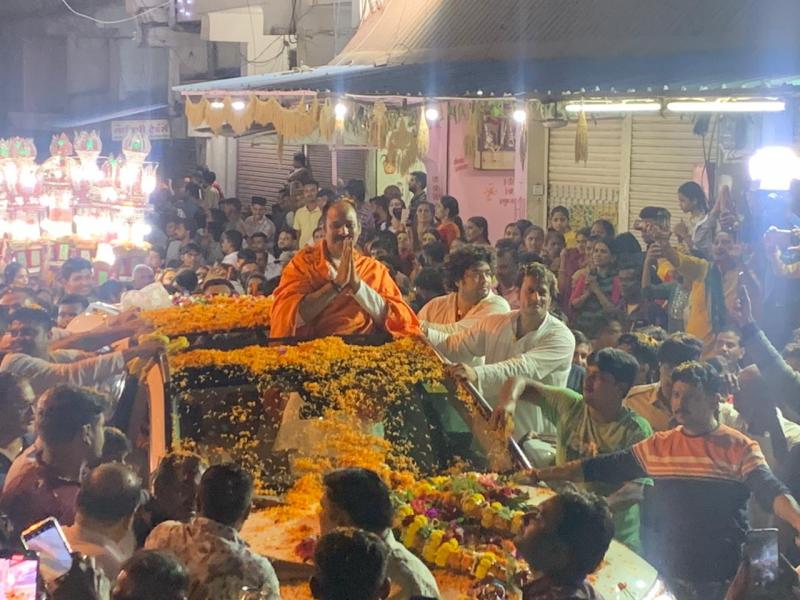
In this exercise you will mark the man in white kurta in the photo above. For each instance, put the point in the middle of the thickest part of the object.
(470, 271)
(528, 342)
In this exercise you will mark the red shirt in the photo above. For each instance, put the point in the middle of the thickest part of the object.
(449, 232)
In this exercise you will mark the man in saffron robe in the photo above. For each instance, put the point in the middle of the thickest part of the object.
(332, 289)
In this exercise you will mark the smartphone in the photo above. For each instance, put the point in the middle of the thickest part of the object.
(19, 575)
(761, 551)
(47, 539)
(404, 216)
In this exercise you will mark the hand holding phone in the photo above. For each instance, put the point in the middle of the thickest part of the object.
(763, 557)
(47, 539)
(742, 312)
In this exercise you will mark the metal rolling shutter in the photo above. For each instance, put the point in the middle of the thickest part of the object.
(319, 157)
(590, 190)
(351, 164)
(259, 171)
(664, 154)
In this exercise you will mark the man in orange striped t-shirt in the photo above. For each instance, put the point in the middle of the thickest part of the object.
(704, 475)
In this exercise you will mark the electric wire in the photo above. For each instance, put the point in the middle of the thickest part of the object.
(115, 21)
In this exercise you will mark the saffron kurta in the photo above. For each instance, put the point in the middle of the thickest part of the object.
(347, 314)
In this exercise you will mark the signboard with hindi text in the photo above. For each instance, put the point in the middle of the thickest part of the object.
(155, 129)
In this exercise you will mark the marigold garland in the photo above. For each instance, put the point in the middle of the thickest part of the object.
(360, 379)
(219, 313)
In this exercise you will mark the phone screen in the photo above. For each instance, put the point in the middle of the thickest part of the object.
(47, 539)
(405, 215)
(18, 575)
(761, 549)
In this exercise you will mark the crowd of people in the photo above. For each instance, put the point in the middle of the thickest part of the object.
(664, 373)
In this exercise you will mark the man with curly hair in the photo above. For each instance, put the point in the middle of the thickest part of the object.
(469, 272)
(529, 342)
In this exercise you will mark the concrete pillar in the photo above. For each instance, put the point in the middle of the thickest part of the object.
(221, 158)
(537, 171)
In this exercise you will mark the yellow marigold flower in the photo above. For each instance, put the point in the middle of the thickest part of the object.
(219, 313)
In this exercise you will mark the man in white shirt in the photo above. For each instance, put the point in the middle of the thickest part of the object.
(103, 529)
(258, 221)
(219, 562)
(470, 271)
(29, 356)
(232, 242)
(359, 498)
(529, 342)
(306, 218)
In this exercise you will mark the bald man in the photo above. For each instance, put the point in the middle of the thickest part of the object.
(332, 289)
(103, 527)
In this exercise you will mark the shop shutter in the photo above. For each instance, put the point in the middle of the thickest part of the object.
(664, 154)
(351, 164)
(590, 190)
(319, 157)
(259, 170)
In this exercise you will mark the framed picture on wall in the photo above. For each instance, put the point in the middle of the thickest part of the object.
(496, 143)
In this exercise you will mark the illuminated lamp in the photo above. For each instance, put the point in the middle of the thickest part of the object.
(105, 253)
(732, 106)
(774, 167)
(613, 107)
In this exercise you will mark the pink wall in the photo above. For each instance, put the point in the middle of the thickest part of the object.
(436, 160)
(495, 195)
